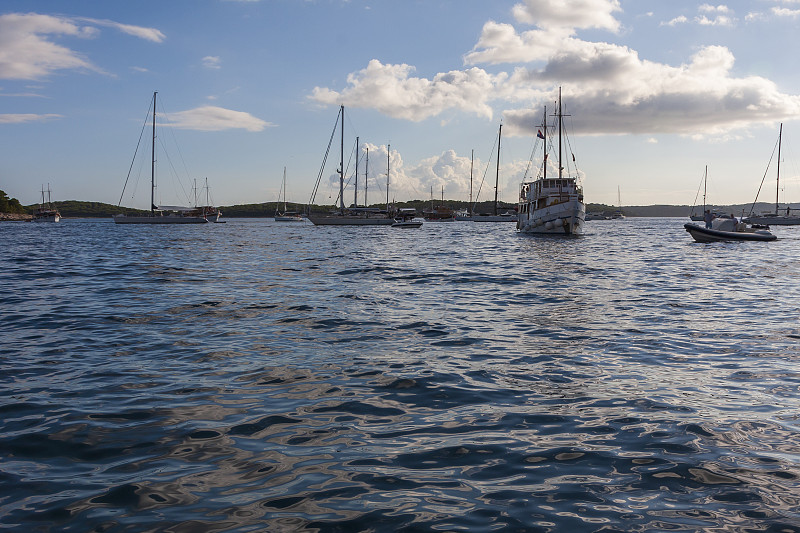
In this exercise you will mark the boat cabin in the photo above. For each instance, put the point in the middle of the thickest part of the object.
(547, 192)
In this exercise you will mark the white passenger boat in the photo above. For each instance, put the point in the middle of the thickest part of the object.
(552, 205)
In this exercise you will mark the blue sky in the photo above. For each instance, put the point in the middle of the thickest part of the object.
(656, 90)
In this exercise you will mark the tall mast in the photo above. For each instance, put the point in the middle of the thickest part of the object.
(705, 185)
(497, 175)
(284, 190)
(544, 142)
(778, 180)
(366, 179)
(355, 188)
(341, 167)
(153, 162)
(388, 152)
(471, 166)
(560, 167)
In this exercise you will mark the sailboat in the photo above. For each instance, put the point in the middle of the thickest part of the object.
(494, 216)
(46, 212)
(354, 216)
(286, 216)
(775, 218)
(552, 205)
(618, 214)
(440, 213)
(714, 214)
(160, 214)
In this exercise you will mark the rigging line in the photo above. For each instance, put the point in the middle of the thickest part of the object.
(134, 154)
(166, 120)
(774, 148)
(324, 160)
(175, 176)
(485, 172)
(702, 178)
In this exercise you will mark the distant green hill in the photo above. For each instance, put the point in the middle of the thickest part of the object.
(77, 209)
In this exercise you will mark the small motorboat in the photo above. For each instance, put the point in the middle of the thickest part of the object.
(729, 229)
(405, 218)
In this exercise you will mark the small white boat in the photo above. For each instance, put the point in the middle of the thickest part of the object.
(728, 229)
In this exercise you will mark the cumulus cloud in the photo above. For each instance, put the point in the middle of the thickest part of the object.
(569, 14)
(607, 85)
(26, 117)
(392, 90)
(212, 62)
(708, 15)
(212, 118)
(28, 50)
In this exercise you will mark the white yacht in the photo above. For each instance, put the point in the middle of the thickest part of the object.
(552, 205)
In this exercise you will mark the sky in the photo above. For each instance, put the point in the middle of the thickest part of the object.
(656, 92)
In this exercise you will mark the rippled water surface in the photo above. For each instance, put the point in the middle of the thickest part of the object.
(256, 376)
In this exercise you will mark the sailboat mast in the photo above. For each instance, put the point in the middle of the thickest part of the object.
(497, 175)
(544, 143)
(778, 180)
(153, 162)
(284, 190)
(366, 179)
(341, 167)
(388, 161)
(355, 188)
(471, 166)
(705, 187)
(560, 167)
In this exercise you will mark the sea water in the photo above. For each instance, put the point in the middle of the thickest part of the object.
(259, 376)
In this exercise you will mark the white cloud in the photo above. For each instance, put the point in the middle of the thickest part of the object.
(26, 117)
(212, 62)
(785, 12)
(148, 34)
(28, 50)
(571, 14)
(393, 91)
(607, 86)
(677, 20)
(212, 118)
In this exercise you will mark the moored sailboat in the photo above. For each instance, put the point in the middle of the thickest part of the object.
(552, 205)
(354, 216)
(160, 214)
(494, 216)
(776, 218)
(286, 215)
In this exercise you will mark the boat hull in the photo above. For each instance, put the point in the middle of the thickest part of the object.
(494, 218)
(701, 234)
(350, 221)
(774, 220)
(47, 218)
(122, 219)
(407, 224)
(566, 218)
(289, 219)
